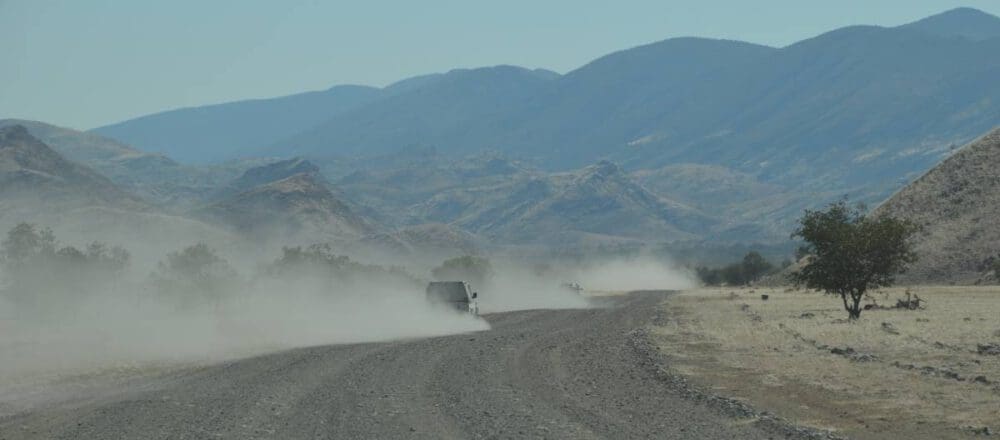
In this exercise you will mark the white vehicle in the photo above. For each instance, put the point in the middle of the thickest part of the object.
(454, 295)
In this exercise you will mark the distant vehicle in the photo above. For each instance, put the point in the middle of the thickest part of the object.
(574, 287)
(455, 295)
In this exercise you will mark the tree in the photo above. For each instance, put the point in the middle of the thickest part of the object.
(755, 266)
(732, 275)
(847, 253)
(26, 241)
(708, 276)
(476, 270)
(114, 259)
(43, 275)
(315, 257)
(194, 275)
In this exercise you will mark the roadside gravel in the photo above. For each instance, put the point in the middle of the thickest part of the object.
(537, 374)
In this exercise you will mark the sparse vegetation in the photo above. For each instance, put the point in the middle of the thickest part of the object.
(36, 266)
(917, 374)
(847, 253)
(320, 261)
(747, 271)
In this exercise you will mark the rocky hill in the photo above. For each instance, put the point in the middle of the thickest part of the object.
(172, 186)
(264, 174)
(597, 203)
(119, 162)
(297, 208)
(32, 171)
(426, 239)
(39, 185)
(957, 203)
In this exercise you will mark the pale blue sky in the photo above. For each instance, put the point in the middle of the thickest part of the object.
(85, 63)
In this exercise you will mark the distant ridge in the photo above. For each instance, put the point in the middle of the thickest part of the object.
(222, 131)
(968, 23)
(298, 207)
(31, 171)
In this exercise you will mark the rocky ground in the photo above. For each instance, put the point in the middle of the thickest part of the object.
(589, 373)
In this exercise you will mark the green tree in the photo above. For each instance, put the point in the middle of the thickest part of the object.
(847, 253)
(755, 266)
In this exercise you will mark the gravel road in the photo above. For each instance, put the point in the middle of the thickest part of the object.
(536, 374)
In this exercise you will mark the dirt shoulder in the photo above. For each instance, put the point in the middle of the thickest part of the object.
(893, 374)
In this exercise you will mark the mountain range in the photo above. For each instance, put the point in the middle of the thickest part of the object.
(857, 111)
(683, 140)
(900, 95)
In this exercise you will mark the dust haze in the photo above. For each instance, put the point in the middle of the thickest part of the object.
(179, 301)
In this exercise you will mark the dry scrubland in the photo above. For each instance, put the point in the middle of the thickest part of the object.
(892, 374)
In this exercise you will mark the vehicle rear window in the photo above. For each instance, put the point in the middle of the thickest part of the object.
(450, 291)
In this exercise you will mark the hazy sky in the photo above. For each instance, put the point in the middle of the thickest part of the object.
(85, 63)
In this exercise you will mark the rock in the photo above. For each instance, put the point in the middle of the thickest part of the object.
(985, 430)
(991, 349)
(842, 351)
(889, 328)
(863, 357)
(853, 355)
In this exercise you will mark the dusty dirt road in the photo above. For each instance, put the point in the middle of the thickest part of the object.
(536, 374)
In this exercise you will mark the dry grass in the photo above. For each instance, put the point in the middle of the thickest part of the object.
(921, 382)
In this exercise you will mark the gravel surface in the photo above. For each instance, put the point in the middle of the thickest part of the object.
(537, 374)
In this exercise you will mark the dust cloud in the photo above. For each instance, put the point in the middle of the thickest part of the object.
(64, 314)
(567, 285)
(71, 309)
(630, 274)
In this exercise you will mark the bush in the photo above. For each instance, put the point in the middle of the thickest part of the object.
(749, 270)
(318, 261)
(194, 275)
